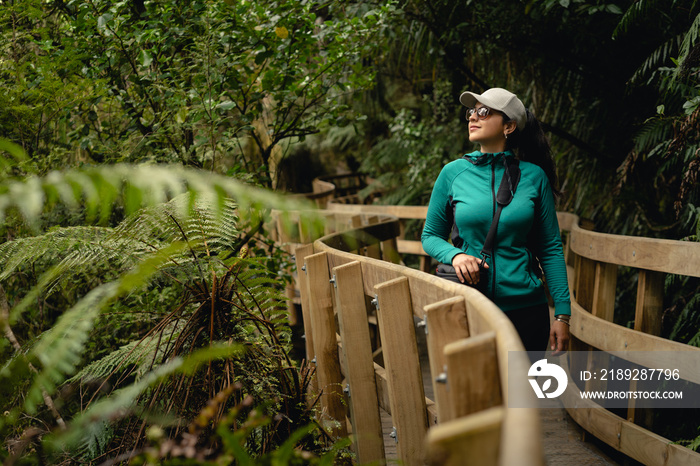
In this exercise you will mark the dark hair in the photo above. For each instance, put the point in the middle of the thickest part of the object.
(531, 145)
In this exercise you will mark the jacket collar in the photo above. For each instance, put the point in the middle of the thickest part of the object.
(483, 158)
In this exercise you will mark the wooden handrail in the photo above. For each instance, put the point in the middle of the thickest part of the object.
(596, 257)
(660, 255)
(403, 213)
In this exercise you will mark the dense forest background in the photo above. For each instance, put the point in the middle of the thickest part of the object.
(141, 296)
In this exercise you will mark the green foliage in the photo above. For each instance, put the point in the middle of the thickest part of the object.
(132, 93)
(667, 144)
(208, 84)
(192, 252)
(414, 150)
(86, 424)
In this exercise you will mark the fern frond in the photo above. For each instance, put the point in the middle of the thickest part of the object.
(638, 9)
(688, 318)
(133, 241)
(658, 57)
(60, 349)
(123, 400)
(194, 219)
(655, 131)
(134, 353)
(140, 353)
(140, 185)
(689, 40)
(14, 254)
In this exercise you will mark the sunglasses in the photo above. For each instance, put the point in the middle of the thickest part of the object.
(482, 113)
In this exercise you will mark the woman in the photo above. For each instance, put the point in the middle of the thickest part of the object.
(466, 191)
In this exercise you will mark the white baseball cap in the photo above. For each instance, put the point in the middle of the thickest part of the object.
(501, 100)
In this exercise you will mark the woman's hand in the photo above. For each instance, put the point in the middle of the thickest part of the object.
(559, 338)
(467, 268)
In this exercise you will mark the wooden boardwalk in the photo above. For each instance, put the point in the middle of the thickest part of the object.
(564, 442)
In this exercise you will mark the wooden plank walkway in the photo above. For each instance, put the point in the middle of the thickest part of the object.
(564, 442)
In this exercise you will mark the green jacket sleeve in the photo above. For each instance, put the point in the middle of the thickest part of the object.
(437, 224)
(550, 251)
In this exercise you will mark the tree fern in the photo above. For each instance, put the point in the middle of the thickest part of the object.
(56, 244)
(59, 350)
(139, 353)
(190, 241)
(86, 425)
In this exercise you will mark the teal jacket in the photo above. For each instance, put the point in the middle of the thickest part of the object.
(528, 225)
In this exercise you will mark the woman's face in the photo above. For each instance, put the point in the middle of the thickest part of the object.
(489, 132)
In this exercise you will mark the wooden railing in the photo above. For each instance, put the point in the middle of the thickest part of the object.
(594, 259)
(403, 213)
(352, 276)
(369, 360)
(327, 188)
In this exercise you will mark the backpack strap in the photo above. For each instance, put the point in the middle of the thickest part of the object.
(506, 191)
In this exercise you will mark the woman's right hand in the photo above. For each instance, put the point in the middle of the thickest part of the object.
(467, 268)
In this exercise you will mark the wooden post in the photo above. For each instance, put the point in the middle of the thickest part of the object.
(390, 251)
(359, 366)
(300, 255)
(604, 291)
(647, 319)
(325, 343)
(373, 250)
(406, 394)
(473, 374)
(650, 295)
(474, 440)
(330, 224)
(445, 322)
(584, 286)
(585, 282)
(425, 264)
(355, 221)
(603, 306)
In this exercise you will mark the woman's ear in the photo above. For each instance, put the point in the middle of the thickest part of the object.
(509, 127)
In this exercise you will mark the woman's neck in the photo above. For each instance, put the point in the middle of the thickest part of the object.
(493, 148)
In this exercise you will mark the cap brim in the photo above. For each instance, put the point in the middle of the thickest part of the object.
(469, 99)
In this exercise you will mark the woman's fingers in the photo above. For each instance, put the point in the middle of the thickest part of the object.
(559, 338)
(467, 268)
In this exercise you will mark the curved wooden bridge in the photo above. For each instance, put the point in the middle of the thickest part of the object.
(361, 308)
